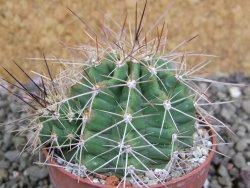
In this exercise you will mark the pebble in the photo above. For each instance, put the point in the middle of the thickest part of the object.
(239, 160)
(206, 184)
(225, 181)
(223, 149)
(95, 180)
(226, 114)
(3, 174)
(247, 155)
(245, 124)
(19, 142)
(12, 183)
(3, 103)
(7, 138)
(245, 175)
(246, 91)
(214, 184)
(2, 115)
(242, 144)
(1, 155)
(36, 173)
(12, 155)
(234, 172)
(221, 96)
(4, 164)
(241, 185)
(246, 106)
(235, 92)
(223, 171)
(241, 132)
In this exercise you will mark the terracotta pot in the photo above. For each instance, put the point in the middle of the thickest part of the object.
(195, 179)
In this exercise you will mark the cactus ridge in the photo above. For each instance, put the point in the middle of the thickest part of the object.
(123, 112)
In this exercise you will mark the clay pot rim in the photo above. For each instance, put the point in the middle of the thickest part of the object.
(168, 183)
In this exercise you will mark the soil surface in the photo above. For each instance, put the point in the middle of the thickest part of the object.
(30, 28)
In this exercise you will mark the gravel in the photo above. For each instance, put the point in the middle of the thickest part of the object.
(230, 171)
(17, 171)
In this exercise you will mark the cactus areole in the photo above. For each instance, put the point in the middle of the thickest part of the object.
(124, 115)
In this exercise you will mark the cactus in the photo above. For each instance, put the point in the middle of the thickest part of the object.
(127, 109)
(123, 112)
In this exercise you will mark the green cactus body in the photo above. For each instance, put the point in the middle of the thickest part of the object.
(124, 114)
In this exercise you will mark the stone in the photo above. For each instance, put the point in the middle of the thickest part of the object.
(216, 159)
(4, 164)
(231, 108)
(12, 183)
(225, 114)
(247, 155)
(19, 142)
(3, 174)
(231, 152)
(241, 185)
(234, 92)
(238, 77)
(36, 173)
(225, 181)
(4, 92)
(242, 144)
(221, 95)
(12, 155)
(3, 103)
(14, 107)
(241, 132)
(234, 138)
(219, 88)
(246, 91)
(228, 112)
(222, 170)
(214, 184)
(239, 160)
(23, 164)
(223, 149)
(1, 155)
(7, 141)
(245, 175)
(245, 124)
(212, 170)
(206, 184)
(2, 115)
(234, 172)
(246, 106)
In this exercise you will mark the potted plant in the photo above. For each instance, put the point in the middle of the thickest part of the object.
(128, 115)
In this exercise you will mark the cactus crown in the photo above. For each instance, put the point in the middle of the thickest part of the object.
(125, 110)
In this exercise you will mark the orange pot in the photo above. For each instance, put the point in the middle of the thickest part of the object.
(60, 178)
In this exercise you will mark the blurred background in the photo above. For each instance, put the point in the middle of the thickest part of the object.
(29, 28)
